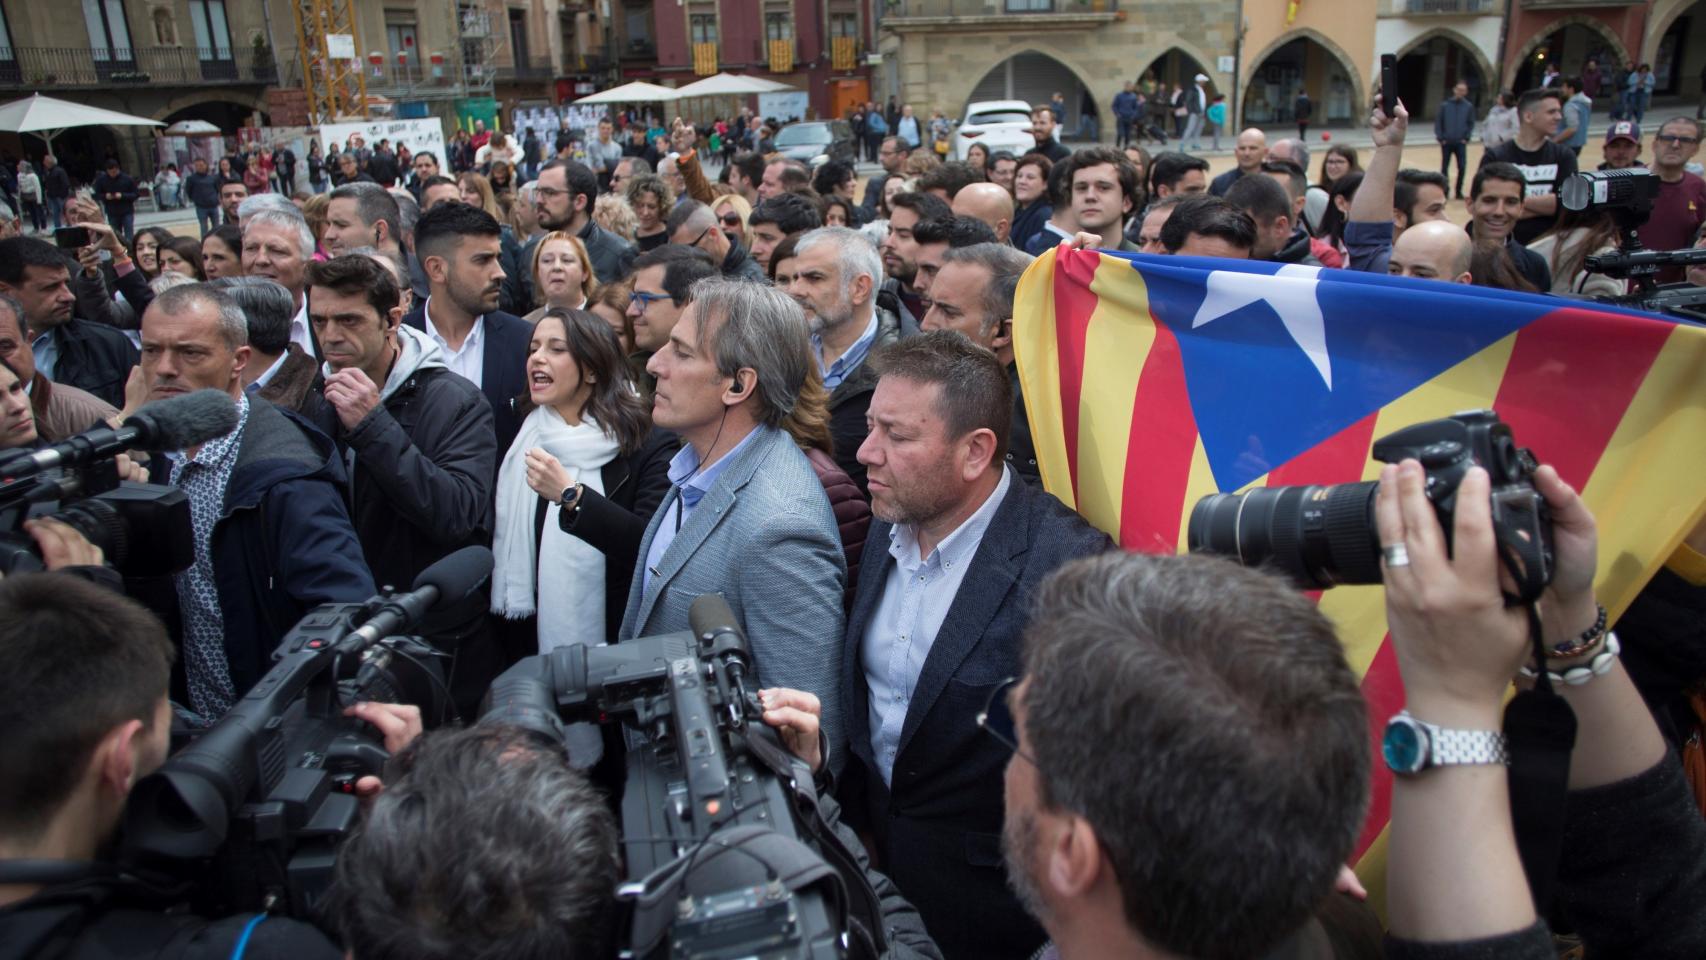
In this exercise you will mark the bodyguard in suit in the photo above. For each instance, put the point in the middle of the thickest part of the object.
(959, 546)
(745, 515)
(459, 248)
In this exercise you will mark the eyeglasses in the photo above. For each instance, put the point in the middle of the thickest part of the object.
(548, 192)
(1676, 140)
(645, 299)
(703, 234)
(996, 719)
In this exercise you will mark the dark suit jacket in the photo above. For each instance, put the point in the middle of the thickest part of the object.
(938, 831)
(503, 376)
(851, 399)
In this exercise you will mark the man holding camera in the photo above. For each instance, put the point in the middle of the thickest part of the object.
(86, 716)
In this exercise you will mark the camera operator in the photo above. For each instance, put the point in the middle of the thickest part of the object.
(1633, 866)
(518, 815)
(84, 707)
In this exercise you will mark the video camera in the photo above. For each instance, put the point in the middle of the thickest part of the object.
(1628, 195)
(76, 481)
(1325, 535)
(726, 853)
(253, 810)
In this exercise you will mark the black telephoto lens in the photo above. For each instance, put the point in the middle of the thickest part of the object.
(1320, 536)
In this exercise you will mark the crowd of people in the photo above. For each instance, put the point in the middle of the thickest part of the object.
(637, 385)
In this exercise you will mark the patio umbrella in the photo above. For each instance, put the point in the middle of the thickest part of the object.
(193, 128)
(636, 92)
(732, 85)
(47, 117)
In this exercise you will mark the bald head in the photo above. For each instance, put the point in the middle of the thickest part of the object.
(1292, 149)
(988, 202)
(1432, 250)
(1251, 150)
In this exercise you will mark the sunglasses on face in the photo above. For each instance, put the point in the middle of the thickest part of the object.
(731, 219)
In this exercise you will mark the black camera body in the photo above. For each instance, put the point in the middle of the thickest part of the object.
(714, 809)
(113, 515)
(252, 811)
(1324, 535)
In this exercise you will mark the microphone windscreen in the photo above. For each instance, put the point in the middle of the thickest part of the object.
(709, 615)
(457, 575)
(184, 421)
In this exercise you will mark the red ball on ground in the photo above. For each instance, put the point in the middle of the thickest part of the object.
(1326, 136)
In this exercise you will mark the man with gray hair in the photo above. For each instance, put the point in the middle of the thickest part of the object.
(272, 538)
(693, 224)
(278, 370)
(973, 295)
(408, 214)
(251, 205)
(746, 515)
(837, 271)
(278, 246)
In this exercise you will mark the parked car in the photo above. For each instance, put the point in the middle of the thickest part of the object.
(816, 141)
(998, 125)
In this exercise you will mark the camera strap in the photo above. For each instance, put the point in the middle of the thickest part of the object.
(1540, 728)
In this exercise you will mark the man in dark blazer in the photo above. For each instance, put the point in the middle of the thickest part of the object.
(959, 545)
(458, 247)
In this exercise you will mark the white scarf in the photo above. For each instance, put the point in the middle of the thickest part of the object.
(559, 576)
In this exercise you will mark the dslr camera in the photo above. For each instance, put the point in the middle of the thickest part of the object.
(1324, 535)
(725, 851)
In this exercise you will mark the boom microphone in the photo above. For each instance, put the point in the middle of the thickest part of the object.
(174, 424)
(450, 580)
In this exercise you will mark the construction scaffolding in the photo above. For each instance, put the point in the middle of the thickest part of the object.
(328, 39)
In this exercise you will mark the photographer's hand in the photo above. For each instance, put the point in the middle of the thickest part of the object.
(62, 545)
(794, 714)
(1452, 871)
(398, 723)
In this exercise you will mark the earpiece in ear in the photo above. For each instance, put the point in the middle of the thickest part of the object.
(737, 386)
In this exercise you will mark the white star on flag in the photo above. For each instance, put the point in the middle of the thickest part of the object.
(1291, 292)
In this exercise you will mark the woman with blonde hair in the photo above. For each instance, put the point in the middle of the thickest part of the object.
(562, 274)
(651, 199)
(732, 212)
(477, 192)
(314, 211)
(611, 211)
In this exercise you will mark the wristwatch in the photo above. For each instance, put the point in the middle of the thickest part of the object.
(571, 503)
(1411, 746)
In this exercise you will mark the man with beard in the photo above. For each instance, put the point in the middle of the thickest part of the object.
(899, 292)
(836, 271)
(958, 546)
(563, 197)
(460, 248)
(418, 438)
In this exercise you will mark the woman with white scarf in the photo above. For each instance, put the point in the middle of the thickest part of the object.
(586, 414)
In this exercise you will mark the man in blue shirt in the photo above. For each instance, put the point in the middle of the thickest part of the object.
(836, 275)
(1453, 125)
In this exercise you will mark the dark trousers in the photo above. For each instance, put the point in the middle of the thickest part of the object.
(1460, 150)
(207, 218)
(1303, 129)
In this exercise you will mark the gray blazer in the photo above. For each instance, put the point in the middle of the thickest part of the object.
(765, 538)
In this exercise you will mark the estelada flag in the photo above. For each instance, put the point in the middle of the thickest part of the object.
(1151, 382)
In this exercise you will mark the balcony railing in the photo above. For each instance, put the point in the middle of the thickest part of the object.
(1457, 7)
(529, 68)
(71, 67)
(933, 12)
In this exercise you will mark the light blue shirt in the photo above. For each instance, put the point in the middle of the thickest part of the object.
(848, 362)
(46, 351)
(915, 601)
(691, 485)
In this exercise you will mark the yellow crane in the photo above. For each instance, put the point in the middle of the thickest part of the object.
(329, 42)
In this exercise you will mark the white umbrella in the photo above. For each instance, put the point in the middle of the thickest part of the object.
(47, 117)
(732, 85)
(193, 128)
(637, 92)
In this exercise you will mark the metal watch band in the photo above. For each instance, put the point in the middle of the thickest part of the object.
(1466, 747)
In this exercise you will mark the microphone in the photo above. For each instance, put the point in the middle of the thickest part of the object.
(450, 580)
(182, 421)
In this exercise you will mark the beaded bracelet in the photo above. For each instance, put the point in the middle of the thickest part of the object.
(1599, 666)
(1570, 649)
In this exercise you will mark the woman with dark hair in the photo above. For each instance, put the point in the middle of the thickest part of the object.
(145, 249)
(1030, 188)
(1338, 210)
(781, 271)
(609, 303)
(651, 199)
(222, 252)
(978, 156)
(183, 255)
(502, 178)
(1340, 159)
(575, 490)
(838, 211)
